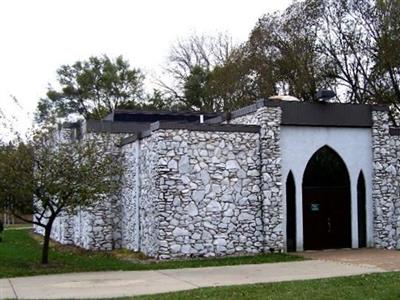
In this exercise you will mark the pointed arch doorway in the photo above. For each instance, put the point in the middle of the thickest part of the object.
(326, 202)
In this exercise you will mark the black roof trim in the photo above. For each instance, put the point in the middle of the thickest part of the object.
(326, 114)
(128, 115)
(219, 119)
(191, 127)
(394, 131)
(133, 121)
(114, 127)
(379, 107)
(164, 112)
(296, 113)
(205, 127)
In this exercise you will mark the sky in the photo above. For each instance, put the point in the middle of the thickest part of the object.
(37, 37)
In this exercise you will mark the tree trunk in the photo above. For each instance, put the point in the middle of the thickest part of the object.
(46, 242)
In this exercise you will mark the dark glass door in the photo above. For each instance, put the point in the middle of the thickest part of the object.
(326, 217)
(326, 202)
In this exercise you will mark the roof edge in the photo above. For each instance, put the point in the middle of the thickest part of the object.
(159, 125)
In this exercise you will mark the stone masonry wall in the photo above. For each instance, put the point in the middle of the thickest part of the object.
(150, 201)
(269, 118)
(209, 202)
(386, 183)
(129, 198)
(96, 227)
(90, 228)
(195, 193)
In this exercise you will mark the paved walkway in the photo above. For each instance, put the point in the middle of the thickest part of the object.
(132, 283)
(386, 259)
(18, 228)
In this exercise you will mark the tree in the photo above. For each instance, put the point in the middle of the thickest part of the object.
(282, 55)
(347, 45)
(190, 65)
(359, 39)
(48, 176)
(93, 88)
(196, 90)
(159, 101)
(346, 41)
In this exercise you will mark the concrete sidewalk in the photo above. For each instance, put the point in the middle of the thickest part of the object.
(132, 283)
(381, 258)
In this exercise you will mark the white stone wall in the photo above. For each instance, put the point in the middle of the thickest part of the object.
(95, 227)
(129, 198)
(194, 193)
(386, 183)
(98, 226)
(209, 202)
(151, 200)
(248, 119)
(269, 118)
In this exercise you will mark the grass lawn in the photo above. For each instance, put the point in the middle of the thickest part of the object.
(20, 254)
(383, 286)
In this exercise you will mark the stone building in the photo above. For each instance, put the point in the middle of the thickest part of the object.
(272, 176)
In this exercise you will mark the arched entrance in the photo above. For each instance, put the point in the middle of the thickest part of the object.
(326, 202)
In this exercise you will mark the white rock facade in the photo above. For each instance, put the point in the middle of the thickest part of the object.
(99, 226)
(215, 190)
(210, 198)
(269, 118)
(386, 183)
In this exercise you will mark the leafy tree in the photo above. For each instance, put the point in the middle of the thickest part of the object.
(196, 90)
(346, 45)
(282, 53)
(280, 57)
(93, 88)
(48, 176)
(159, 101)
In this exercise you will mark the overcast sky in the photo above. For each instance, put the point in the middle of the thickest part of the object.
(36, 37)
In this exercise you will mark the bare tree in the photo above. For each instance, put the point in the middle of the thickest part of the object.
(189, 55)
(359, 39)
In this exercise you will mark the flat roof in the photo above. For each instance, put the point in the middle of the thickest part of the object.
(129, 115)
(294, 113)
(323, 114)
